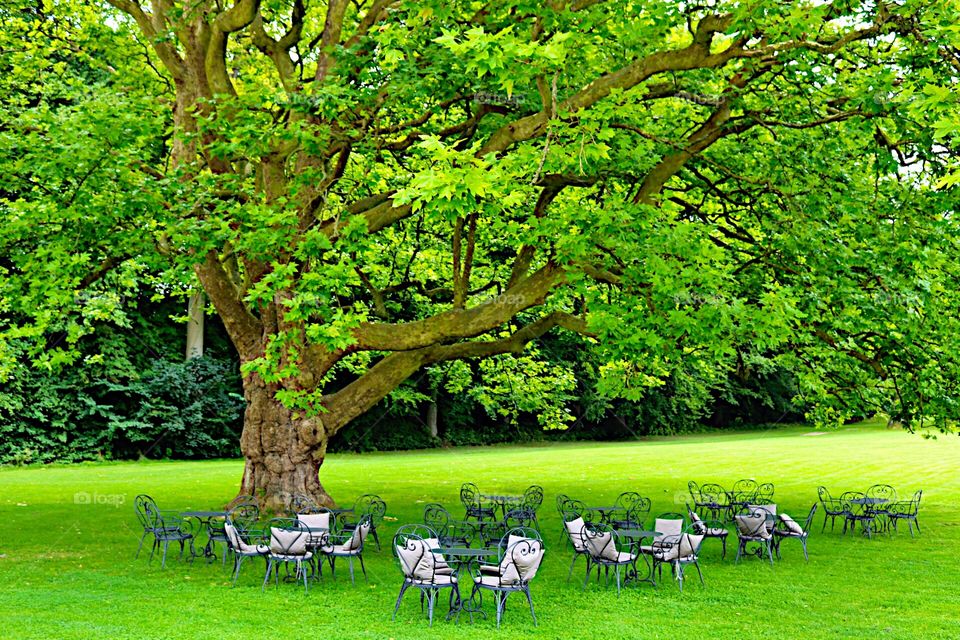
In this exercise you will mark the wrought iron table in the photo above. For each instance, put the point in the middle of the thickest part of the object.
(638, 535)
(204, 518)
(465, 559)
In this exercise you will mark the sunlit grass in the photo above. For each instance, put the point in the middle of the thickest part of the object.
(68, 571)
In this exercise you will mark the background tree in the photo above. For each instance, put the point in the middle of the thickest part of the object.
(364, 189)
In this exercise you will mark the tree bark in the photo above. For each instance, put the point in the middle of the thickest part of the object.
(283, 451)
(195, 325)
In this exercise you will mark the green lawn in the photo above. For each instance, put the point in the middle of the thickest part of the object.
(68, 571)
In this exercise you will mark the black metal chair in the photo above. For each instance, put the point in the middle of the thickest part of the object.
(881, 510)
(605, 550)
(472, 504)
(788, 529)
(755, 526)
(289, 540)
(623, 517)
(366, 505)
(450, 532)
(573, 524)
(907, 511)
(242, 545)
(521, 552)
(709, 529)
(764, 493)
(301, 503)
(421, 567)
(678, 551)
(713, 500)
(164, 526)
(349, 545)
(526, 511)
(743, 493)
(832, 508)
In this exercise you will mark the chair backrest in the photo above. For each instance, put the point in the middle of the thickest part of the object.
(669, 524)
(600, 540)
(810, 514)
(436, 517)
(244, 515)
(627, 499)
(288, 537)
(712, 494)
(320, 519)
(690, 541)
(882, 491)
(640, 511)
(301, 503)
(140, 505)
(372, 505)
(573, 505)
(492, 533)
(521, 556)
(469, 495)
(764, 492)
(824, 494)
(235, 538)
(154, 518)
(533, 497)
(745, 489)
(755, 523)
(561, 499)
(412, 545)
(694, 490)
(847, 496)
(519, 517)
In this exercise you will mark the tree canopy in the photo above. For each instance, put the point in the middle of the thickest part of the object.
(364, 189)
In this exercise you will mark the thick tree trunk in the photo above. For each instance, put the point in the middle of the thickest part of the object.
(278, 463)
(195, 325)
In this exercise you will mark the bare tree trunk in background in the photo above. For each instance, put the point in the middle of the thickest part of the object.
(195, 325)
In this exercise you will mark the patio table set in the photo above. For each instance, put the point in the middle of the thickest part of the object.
(876, 510)
(300, 543)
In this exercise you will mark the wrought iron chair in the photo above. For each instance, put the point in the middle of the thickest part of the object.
(320, 524)
(573, 524)
(881, 510)
(349, 544)
(473, 505)
(788, 529)
(562, 498)
(366, 505)
(743, 493)
(244, 516)
(755, 526)
(521, 552)
(301, 503)
(709, 529)
(713, 500)
(678, 551)
(164, 526)
(451, 532)
(694, 490)
(528, 507)
(240, 546)
(856, 512)
(288, 545)
(620, 518)
(908, 511)
(764, 493)
(492, 533)
(422, 568)
(665, 525)
(832, 508)
(605, 550)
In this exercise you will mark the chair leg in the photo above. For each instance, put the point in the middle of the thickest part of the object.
(166, 545)
(770, 552)
(616, 573)
(266, 577)
(431, 599)
(142, 538)
(333, 567)
(352, 581)
(917, 523)
(586, 578)
(697, 565)
(403, 588)
(572, 562)
(530, 601)
(803, 541)
(363, 568)
(723, 540)
(237, 562)
(678, 571)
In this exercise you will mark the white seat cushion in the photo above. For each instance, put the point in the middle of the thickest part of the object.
(574, 529)
(752, 526)
(793, 528)
(293, 543)
(315, 520)
(668, 527)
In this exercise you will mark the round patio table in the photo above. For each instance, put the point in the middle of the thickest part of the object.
(204, 518)
(502, 501)
(604, 511)
(464, 559)
(639, 535)
(866, 527)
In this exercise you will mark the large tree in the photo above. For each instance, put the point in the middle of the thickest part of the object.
(367, 188)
